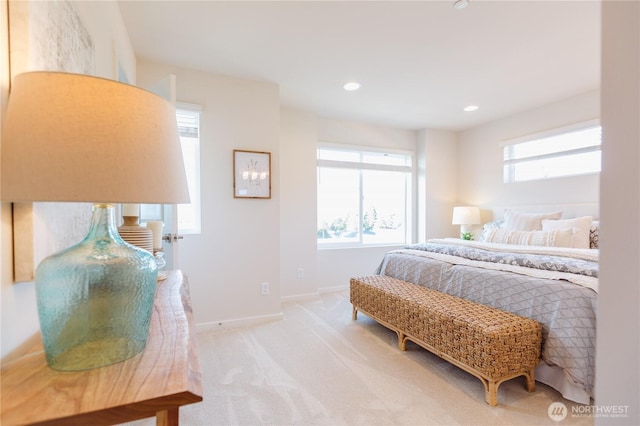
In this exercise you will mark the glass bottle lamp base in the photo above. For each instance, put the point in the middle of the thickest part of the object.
(95, 299)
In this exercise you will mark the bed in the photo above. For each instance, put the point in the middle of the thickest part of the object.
(548, 275)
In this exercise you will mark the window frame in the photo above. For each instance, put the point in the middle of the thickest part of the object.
(196, 194)
(410, 169)
(509, 162)
(158, 211)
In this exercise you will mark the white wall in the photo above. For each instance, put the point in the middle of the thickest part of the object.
(298, 246)
(480, 157)
(240, 242)
(19, 314)
(110, 39)
(437, 174)
(617, 350)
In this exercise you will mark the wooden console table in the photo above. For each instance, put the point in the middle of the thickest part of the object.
(156, 382)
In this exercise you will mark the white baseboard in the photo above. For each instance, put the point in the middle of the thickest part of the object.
(307, 296)
(333, 289)
(299, 297)
(238, 322)
(243, 322)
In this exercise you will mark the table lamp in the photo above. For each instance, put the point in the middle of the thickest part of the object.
(465, 216)
(78, 138)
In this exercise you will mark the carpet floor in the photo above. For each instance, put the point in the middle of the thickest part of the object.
(317, 366)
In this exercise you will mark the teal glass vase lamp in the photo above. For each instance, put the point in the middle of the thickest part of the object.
(78, 138)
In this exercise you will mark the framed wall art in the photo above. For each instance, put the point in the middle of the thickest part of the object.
(251, 174)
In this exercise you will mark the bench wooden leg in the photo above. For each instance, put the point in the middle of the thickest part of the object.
(402, 341)
(491, 387)
(491, 393)
(354, 313)
(531, 383)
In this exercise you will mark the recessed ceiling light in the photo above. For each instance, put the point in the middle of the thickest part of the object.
(460, 4)
(471, 108)
(352, 86)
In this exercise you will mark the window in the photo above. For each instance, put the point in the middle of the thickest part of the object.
(364, 197)
(188, 117)
(569, 151)
(189, 129)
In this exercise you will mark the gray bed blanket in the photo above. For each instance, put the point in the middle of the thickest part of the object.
(566, 310)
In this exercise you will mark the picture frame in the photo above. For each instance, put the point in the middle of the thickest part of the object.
(251, 174)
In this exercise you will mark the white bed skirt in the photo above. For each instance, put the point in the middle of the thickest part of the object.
(556, 377)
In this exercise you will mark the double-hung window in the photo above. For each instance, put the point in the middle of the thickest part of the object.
(569, 151)
(364, 196)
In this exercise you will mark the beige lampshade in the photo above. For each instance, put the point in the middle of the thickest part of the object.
(466, 215)
(71, 137)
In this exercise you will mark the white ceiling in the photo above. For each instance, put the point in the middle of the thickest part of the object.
(419, 62)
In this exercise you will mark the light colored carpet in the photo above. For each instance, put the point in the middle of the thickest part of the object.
(318, 367)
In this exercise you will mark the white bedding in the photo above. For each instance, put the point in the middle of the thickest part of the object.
(582, 254)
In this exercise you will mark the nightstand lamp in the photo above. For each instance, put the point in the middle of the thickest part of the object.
(466, 216)
(78, 138)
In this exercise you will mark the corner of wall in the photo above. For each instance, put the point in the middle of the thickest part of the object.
(438, 181)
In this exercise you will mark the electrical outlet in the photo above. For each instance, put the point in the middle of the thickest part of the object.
(300, 273)
(265, 288)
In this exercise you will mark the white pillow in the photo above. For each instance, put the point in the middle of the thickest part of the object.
(582, 224)
(556, 238)
(516, 221)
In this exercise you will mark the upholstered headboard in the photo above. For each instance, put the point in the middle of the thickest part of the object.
(569, 210)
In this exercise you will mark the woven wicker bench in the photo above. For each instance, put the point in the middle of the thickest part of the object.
(493, 345)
